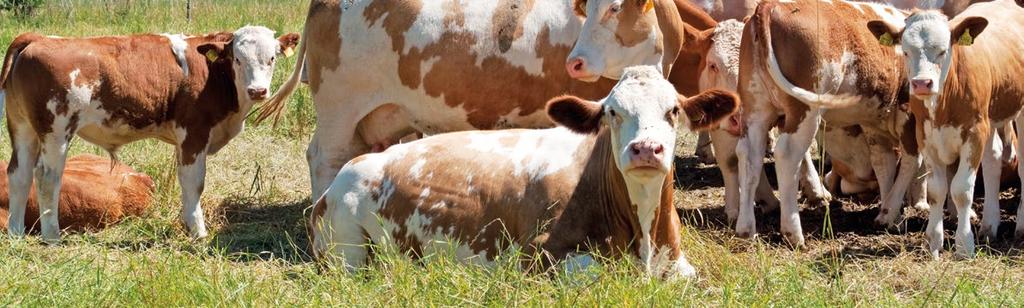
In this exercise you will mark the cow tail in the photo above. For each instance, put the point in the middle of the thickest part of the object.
(274, 106)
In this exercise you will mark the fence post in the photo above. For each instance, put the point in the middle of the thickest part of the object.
(188, 10)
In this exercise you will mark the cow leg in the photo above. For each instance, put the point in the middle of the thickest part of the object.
(810, 184)
(25, 152)
(961, 189)
(992, 165)
(892, 204)
(1019, 230)
(766, 195)
(938, 186)
(191, 177)
(790, 151)
(722, 141)
(918, 185)
(334, 143)
(53, 155)
(705, 152)
(750, 151)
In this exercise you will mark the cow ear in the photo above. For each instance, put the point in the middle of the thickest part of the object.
(646, 6)
(967, 30)
(697, 41)
(288, 43)
(215, 51)
(887, 35)
(576, 114)
(705, 110)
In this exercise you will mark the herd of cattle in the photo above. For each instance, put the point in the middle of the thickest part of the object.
(903, 94)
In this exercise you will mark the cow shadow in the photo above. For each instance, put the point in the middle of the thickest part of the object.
(260, 232)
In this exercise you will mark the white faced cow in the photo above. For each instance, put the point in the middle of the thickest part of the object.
(965, 77)
(193, 92)
(600, 184)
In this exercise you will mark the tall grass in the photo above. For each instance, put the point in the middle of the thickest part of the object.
(256, 255)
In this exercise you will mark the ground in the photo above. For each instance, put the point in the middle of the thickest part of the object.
(256, 203)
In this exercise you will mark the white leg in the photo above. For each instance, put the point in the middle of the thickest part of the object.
(191, 177)
(1019, 230)
(790, 151)
(938, 186)
(48, 179)
(725, 155)
(810, 183)
(705, 152)
(750, 152)
(329, 150)
(884, 162)
(919, 185)
(19, 173)
(766, 195)
(961, 189)
(892, 203)
(992, 168)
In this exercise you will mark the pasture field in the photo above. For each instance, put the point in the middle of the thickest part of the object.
(256, 200)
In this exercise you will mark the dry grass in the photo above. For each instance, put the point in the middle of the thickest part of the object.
(256, 195)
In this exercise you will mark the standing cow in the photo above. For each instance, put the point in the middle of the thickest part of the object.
(193, 92)
(602, 184)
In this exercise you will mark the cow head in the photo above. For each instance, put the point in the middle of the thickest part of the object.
(615, 34)
(720, 67)
(253, 51)
(642, 113)
(927, 42)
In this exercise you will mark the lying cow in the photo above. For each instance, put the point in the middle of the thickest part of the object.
(96, 194)
(601, 184)
(193, 92)
(393, 67)
(964, 76)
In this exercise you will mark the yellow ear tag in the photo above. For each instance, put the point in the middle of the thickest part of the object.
(288, 52)
(648, 6)
(886, 40)
(966, 39)
(212, 55)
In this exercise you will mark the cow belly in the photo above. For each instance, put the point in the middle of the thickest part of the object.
(111, 138)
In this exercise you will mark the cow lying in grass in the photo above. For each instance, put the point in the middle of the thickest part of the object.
(599, 183)
(193, 92)
(94, 195)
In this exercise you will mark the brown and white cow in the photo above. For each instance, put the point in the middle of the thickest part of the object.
(965, 77)
(380, 69)
(600, 184)
(739, 9)
(95, 194)
(193, 92)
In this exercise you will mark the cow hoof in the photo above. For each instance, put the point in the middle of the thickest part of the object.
(887, 218)
(796, 240)
(988, 234)
(16, 232)
(1019, 235)
(51, 240)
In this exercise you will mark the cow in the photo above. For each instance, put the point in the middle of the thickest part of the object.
(964, 77)
(381, 69)
(740, 9)
(600, 183)
(192, 92)
(97, 193)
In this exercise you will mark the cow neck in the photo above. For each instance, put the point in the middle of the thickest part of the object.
(616, 208)
(953, 90)
(224, 104)
(675, 17)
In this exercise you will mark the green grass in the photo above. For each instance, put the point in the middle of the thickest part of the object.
(256, 253)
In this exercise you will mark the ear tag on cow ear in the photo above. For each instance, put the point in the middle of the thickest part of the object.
(966, 39)
(886, 39)
(288, 52)
(648, 6)
(212, 55)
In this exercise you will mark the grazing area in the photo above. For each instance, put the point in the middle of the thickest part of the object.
(257, 252)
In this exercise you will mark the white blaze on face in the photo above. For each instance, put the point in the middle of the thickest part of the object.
(599, 50)
(254, 53)
(637, 111)
(926, 46)
(722, 69)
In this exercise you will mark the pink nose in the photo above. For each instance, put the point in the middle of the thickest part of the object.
(646, 154)
(257, 93)
(921, 86)
(577, 68)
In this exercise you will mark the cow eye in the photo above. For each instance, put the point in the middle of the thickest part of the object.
(675, 111)
(239, 62)
(942, 53)
(611, 112)
(272, 59)
(615, 9)
(713, 67)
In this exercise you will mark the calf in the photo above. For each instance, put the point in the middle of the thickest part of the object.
(964, 76)
(600, 184)
(193, 92)
(96, 194)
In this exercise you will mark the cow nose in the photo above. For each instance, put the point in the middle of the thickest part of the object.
(577, 68)
(646, 154)
(257, 93)
(921, 85)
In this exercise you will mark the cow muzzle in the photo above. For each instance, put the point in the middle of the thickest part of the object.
(257, 93)
(577, 68)
(646, 156)
(922, 86)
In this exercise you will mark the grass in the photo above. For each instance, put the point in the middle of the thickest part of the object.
(256, 255)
